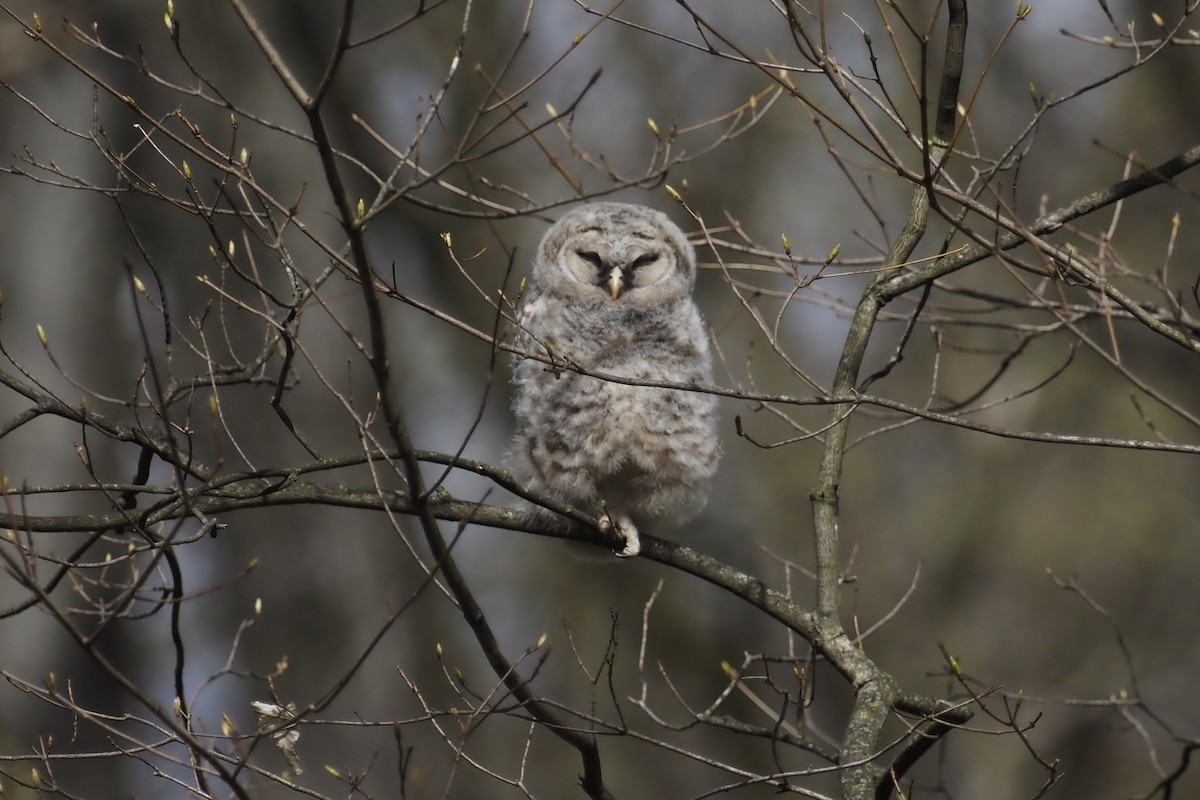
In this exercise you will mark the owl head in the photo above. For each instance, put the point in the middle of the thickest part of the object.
(616, 253)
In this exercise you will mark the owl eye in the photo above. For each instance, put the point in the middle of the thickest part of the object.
(643, 260)
(591, 257)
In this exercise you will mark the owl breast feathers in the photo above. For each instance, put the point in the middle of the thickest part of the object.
(611, 293)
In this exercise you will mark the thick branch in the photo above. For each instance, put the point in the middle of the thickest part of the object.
(875, 690)
(444, 507)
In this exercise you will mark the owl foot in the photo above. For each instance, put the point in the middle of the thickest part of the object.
(622, 526)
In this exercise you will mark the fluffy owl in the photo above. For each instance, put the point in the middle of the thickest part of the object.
(611, 293)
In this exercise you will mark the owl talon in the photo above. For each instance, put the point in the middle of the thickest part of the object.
(623, 527)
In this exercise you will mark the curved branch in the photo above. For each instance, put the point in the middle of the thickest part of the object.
(876, 690)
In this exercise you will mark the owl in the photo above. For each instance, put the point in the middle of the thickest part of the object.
(611, 295)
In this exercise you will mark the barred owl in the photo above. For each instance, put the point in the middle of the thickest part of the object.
(611, 294)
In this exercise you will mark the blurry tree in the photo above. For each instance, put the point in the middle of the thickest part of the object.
(272, 254)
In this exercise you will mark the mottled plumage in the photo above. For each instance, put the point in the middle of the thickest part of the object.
(611, 293)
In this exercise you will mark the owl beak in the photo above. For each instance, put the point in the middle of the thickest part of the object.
(616, 282)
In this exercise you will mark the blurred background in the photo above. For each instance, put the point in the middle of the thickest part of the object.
(978, 522)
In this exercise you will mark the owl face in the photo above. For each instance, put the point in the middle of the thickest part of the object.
(616, 253)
